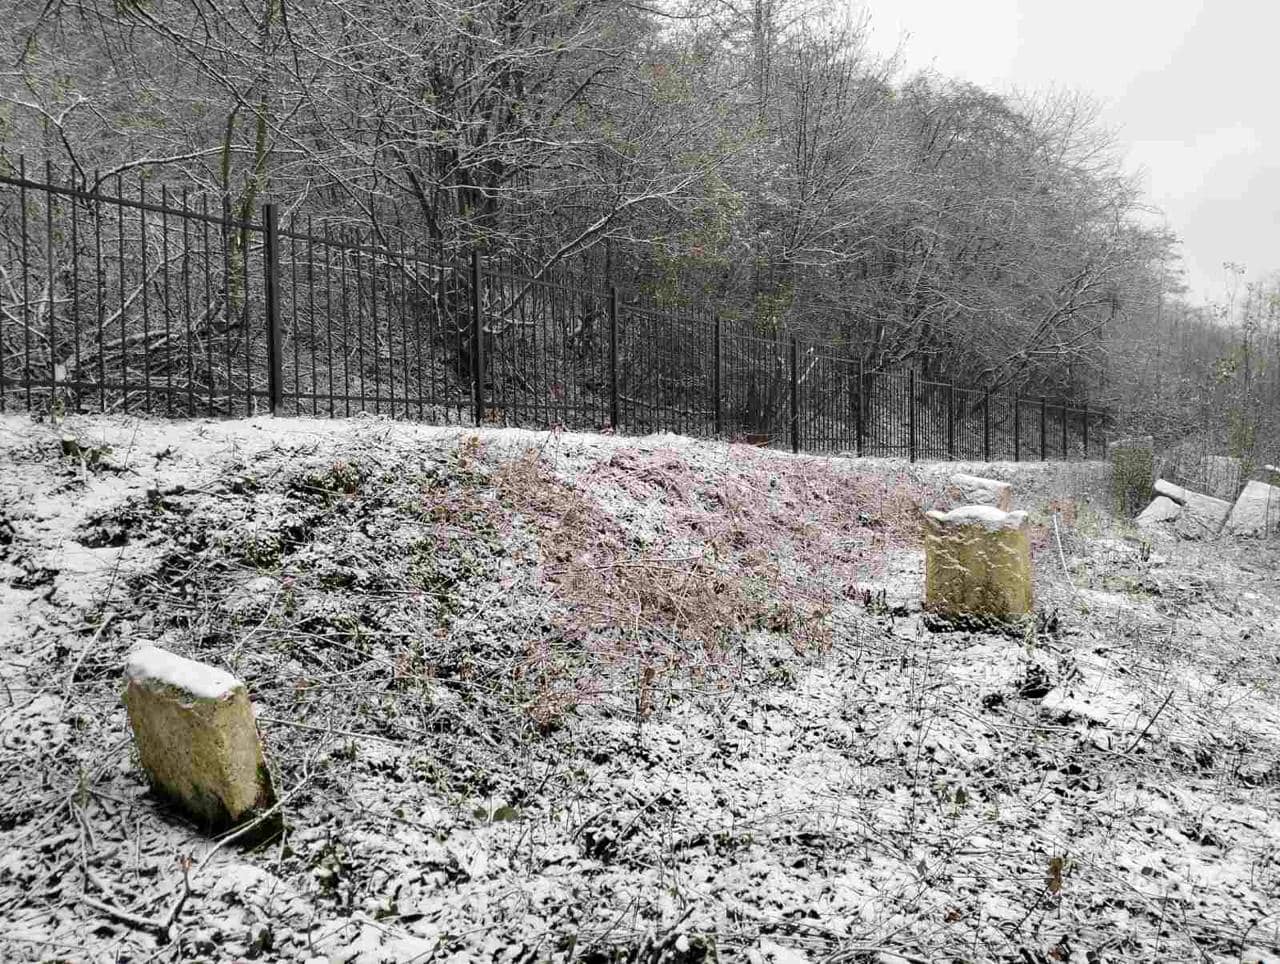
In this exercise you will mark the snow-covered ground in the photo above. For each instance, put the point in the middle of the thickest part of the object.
(535, 696)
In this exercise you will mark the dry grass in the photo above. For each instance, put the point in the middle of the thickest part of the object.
(750, 549)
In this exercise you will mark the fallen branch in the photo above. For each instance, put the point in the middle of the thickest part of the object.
(1150, 723)
(141, 923)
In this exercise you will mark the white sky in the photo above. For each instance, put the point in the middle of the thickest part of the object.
(1189, 87)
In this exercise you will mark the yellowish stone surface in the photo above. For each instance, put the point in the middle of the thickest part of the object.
(196, 737)
(978, 565)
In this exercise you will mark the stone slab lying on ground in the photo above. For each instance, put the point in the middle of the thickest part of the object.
(974, 490)
(196, 737)
(1256, 512)
(977, 565)
(1202, 514)
(1161, 509)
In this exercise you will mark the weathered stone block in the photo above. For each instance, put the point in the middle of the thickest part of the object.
(1133, 470)
(1161, 509)
(196, 737)
(1201, 515)
(977, 565)
(1256, 512)
(974, 490)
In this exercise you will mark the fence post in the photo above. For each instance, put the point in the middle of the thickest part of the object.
(795, 396)
(613, 357)
(1043, 426)
(52, 316)
(951, 421)
(986, 425)
(857, 415)
(275, 327)
(719, 409)
(1085, 430)
(477, 338)
(1063, 406)
(1017, 428)
(911, 415)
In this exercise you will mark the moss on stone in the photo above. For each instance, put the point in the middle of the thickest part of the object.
(1132, 475)
(201, 752)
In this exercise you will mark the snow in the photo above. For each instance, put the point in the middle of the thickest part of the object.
(986, 516)
(1256, 512)
(1161, 509)
(149, 664)
(882, 793)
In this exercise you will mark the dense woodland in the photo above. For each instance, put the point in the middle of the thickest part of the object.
(752, 158)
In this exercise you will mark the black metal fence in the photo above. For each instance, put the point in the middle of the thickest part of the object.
(125, 297)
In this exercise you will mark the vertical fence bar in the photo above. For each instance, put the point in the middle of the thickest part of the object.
(186, 301)
(293, 319)
(911, 415)
(1063, 410)
(1084, 428)
(405, 316)
(78, 388)
(25, 371)
(716, 361)
(250, 403)
(168, 306)
(951, 421)
(311, 321)
(100, 290)
(355, 243)
(986, 425)
(477, 338)
(613, 357)
(1044, 449)
(226, 295)
(124, 339)
(795, 396)
(209, 313)
(48, 252)
(1017, 428)
(146, 302)
(859, 416)
(275, 335)
(346, 326)
(328, 313)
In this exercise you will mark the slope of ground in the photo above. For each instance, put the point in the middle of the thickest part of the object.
(534, 696)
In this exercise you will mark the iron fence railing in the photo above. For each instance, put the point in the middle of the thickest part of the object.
(125, 297)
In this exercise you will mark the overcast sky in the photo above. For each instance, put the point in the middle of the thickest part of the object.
(1189, 86)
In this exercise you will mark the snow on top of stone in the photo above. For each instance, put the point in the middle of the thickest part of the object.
(987, 516)
(152, 664)
(1170, 491)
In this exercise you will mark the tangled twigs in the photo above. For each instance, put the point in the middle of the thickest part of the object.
(71, 677)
